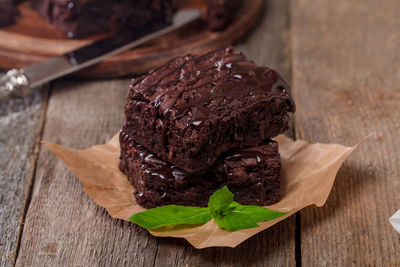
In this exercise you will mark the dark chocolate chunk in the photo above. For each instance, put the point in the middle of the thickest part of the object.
(252, 174)
(194, 108)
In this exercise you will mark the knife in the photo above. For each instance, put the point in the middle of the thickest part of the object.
(19, 82)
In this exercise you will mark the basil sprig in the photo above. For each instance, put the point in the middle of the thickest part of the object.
(228, 214)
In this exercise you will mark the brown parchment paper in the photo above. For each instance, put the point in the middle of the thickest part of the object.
(308, 173)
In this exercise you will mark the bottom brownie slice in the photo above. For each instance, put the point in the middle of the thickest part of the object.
(252, 174)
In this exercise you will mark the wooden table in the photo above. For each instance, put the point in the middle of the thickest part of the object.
(343, 61)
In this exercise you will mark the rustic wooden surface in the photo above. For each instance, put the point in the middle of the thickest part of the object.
(32, 40)
(20, 124)
(343, 61)
(83, 233)
(346, 75)
(86, 235)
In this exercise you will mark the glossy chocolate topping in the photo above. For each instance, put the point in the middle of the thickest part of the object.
(213, 85)
(155, 166)
(256, 155)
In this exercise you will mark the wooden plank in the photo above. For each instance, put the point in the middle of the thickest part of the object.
(63, 226)
(267, 45)
(20, 124)
(346, 74)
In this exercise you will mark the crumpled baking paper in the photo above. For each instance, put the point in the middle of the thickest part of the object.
(395, 221)
(308, 173)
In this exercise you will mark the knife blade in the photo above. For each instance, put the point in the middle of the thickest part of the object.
(19, 82)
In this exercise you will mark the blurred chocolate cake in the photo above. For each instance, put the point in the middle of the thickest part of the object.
(78, 19)
(81, 18)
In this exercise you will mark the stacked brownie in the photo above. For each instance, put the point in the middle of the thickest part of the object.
(201, 122)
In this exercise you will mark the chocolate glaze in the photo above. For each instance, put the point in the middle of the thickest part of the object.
(213, 85)
(250, 173)
(260, 154)
(153, 165)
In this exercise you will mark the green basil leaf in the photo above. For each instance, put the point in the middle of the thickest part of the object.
(171, 215)
(259, 214)
(235, 221)
(219, 202)
(227, 213)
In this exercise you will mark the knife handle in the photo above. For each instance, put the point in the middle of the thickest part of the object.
(14, 83)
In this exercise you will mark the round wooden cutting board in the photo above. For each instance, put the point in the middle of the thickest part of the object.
(32, 40)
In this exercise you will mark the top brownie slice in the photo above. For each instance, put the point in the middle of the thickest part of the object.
(194, 108)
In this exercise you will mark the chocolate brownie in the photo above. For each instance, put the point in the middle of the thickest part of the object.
(219, 12)
(8, 12)
(252, 174)
(85, 17)
(194, 108)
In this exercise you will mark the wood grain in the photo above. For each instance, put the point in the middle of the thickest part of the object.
(346, 76)
(32, 40)
(20, 124)
(64, 227)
